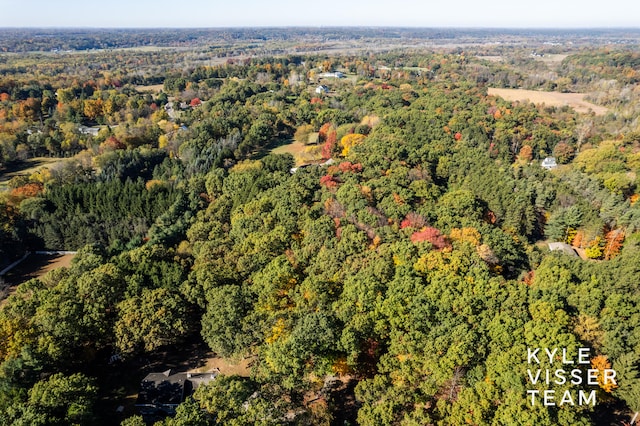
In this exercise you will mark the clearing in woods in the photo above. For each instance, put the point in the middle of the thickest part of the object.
(557, 99)
(552, 60)
(301, 153)
(154, 88)
(26, 168)
(34, 266)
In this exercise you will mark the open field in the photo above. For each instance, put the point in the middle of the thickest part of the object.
(574, 100)
(491, 58)
(25, 168)
(301, 153)
(552, 60)
(154, 88)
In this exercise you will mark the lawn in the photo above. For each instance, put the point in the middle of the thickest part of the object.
(303, 154)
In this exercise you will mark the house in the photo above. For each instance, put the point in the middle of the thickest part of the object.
(335, 74)
(549, 163)
(322, 89)
(161, 393)
(93, 131)
(329, 162)
(564, 248)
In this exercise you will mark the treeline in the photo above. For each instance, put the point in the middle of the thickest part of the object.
(108, 214)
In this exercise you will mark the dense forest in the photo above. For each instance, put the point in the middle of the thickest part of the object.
(393, 270)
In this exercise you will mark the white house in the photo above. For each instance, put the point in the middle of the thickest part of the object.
(335, 74)
(93, 131)
(549, 163)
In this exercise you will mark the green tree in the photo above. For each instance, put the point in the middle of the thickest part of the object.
(63, 398)
(155, 318)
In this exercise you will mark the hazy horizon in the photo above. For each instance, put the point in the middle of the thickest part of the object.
(541, 28)
(499, 14)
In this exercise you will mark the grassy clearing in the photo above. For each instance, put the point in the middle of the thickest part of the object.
(557, 99)
(491, 58)
(153, 88)
(552, 60)
(34, 266)
(301, 153)
(25, 168)
(227, 366)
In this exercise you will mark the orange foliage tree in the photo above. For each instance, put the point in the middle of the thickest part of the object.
(601, 363)
(613, 245)
(27, 191)
(526, 153)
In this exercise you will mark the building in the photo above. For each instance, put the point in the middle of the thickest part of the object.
(549, 163)
(335, 74)
(322, 89)
(161, 393)
(564, 248)
(93, 131)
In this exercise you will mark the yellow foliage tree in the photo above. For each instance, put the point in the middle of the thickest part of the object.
(349, 141)
(469, 235)
(163, 141)
(601, 363)
(93, 108)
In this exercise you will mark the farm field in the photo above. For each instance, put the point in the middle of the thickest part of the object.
(574, 100)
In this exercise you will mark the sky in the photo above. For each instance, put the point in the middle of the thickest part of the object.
(269, 13)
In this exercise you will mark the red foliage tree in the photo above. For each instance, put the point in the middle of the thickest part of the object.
(327, 180)
(111, 144)
(195, 102)
(329, 144)
(458, 136)
(431, 235)
(413, 220)
(348, 166)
